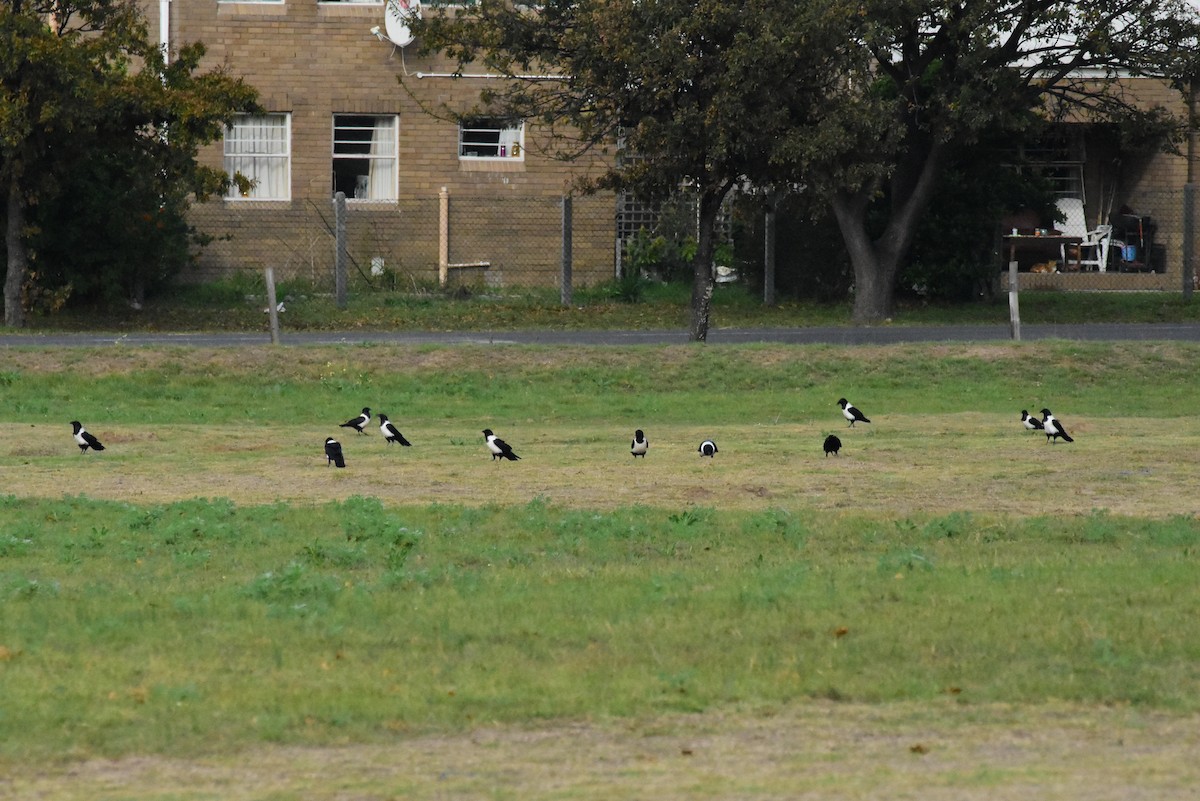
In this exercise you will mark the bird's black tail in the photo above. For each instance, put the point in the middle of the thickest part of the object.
(403, 441)
(1066, 437)
(510, 456)
(339, 460)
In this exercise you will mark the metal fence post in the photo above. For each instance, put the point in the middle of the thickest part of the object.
(769, 254)
(1189, 240)
(566, 251)
(443, 236)
(340, 254)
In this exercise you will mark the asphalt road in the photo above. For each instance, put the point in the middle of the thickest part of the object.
(833, 335)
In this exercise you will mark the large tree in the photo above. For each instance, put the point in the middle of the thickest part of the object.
(861, 103)
(695, 92)
(940, 73)
(83, 86)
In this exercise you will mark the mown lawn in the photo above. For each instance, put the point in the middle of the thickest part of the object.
(951, 608)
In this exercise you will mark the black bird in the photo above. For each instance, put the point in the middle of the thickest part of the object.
(851, 413)
(83, 439)
(360, 422)
(390, 432)
(1030, 422)
(832, 445)
(707, 448)
(1054, 428)
(640, 444)
(333, 453)
(500, 449)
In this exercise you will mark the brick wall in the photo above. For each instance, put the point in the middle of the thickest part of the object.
(313, 60)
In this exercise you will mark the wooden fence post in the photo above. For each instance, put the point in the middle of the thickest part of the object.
(272, 307)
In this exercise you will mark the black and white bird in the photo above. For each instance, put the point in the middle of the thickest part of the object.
(500, 449)
(1030, 422)
(640, 444)
(851, 413)
(333, 453)
(707, 448)
(1054, 428)
(360, 422)
(832, 445)
(390, 432)
(83, 439)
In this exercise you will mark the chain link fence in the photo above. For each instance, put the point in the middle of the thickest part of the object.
(502, 243)
(499, 243)
(1151, 248)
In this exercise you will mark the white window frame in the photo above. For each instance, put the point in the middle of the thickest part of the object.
(383, 155)
(475, 140)
(251, 155)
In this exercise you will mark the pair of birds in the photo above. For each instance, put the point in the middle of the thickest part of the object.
(333, 449)
(853, 415)
(1049, 425)
(640, 445)
(386, 427)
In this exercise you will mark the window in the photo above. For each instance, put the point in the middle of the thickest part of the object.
(257, 146)
(364, 156)
(491, 139)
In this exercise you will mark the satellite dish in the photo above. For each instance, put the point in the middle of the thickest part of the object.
(396, 17)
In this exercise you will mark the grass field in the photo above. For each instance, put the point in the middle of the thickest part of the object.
(952, 608)
(238, 306)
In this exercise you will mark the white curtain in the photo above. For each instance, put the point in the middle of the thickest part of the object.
(257, 147)
(383, 160)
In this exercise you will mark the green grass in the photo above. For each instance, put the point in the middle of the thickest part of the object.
(206, 591)
(238, 306)
(200, 626)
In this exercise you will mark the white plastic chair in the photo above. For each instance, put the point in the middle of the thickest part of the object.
(1093, 250)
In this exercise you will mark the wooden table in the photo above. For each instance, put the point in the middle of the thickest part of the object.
(1050, 243)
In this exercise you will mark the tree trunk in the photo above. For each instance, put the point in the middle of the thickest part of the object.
(14, 312)
(702, 265)
(877, 262)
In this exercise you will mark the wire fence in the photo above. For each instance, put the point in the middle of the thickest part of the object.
(512, 244)
(1150, 248)
(494, 242)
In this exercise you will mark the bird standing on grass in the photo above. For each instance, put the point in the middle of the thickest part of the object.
(707, 448)
(1054, 428)
(832, 445)
(83, 439)
(1030, 422)
(360, 422)
(851, 413)
(640, 444)
(333, 453)
(390, 432)
(500, 449)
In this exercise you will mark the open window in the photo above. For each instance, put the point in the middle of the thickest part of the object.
(364, 156)
(488, 138)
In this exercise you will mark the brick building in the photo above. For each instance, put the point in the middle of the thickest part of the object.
(425, 192)
(1142, 195)
(422, 190)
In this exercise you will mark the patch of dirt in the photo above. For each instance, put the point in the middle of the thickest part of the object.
(806, 752)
